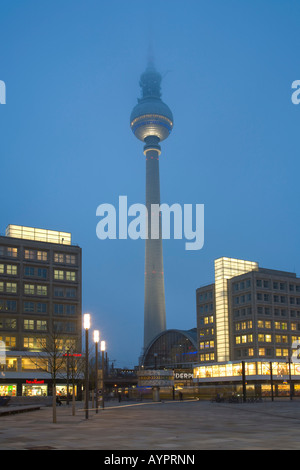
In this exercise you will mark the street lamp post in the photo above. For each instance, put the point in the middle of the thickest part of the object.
(86, 325)
(96, 341)
(68, 371)
(103, 351)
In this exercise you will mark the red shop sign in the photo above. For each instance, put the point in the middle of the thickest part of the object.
(32, 382)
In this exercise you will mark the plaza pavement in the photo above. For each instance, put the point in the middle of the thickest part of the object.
(164, 426)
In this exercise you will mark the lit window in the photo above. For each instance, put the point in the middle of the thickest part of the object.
(71, 276)
(42, 255)
(41, 325)
(11, 287)
(29, 254)
(12, 252)
(58, 257)
(59, 275)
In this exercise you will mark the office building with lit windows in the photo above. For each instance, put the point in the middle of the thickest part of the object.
(40, 298)
(251, 315)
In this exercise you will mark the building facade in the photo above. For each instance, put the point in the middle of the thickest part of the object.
(151, 122)
(40, 303)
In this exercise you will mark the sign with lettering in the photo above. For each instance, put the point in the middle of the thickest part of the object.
(155, 378)
(181, 374)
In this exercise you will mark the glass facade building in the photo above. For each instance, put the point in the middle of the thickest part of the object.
(226, 268)
(251, 315)
(173, 349)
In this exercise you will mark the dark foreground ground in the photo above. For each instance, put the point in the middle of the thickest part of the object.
(168, 426)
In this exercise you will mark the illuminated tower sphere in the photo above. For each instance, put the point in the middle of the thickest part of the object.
(151, 122)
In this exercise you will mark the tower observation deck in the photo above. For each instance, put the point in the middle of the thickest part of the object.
(151, 122)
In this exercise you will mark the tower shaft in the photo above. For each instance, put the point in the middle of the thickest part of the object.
(154, 307)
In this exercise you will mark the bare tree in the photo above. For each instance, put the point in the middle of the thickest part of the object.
(51, 360)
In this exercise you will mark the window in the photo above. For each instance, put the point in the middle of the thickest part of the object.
(11, 287)
(58, 292)
(41, 255)
(28, 343)
(9, 341)
(28, 324)
(41, 307)
(70, 309)
(41, 325)
(42, 273)
(59, 275)
(58, 257)
(1, 268)
(11, 269)
(11, 306)
(70, 259)
(71, 293)
(12, 252)
(58, 309)
(70, 276)
(29, 254)
(28, 307)
(29, 271)
(8, 323)
(34, 343)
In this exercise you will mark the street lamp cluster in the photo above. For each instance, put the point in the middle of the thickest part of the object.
(96, 338)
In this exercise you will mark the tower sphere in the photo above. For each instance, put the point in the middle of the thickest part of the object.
(151, 117)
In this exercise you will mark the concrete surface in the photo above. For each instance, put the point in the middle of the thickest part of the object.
(193, 425)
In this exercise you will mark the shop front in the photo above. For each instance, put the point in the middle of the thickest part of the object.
(34, 388)
(259, 378)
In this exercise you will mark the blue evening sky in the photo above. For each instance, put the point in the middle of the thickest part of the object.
(72, 69)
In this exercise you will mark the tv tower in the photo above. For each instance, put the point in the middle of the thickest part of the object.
(151, 122)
